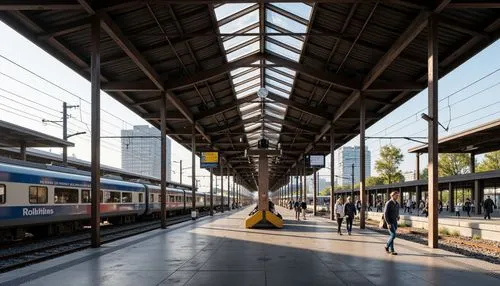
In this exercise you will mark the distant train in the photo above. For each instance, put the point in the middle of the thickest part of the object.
(46, 202)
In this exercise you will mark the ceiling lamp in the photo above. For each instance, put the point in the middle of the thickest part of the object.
(262, 92)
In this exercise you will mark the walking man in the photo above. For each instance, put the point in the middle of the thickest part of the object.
(296, 207)
(350, 213)
(488, 207)
(303, 206)
(391, 216)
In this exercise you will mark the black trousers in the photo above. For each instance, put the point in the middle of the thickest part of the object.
(339, 223)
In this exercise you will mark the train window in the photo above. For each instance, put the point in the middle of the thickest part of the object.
(179, 199)
(152, 198)
(85, 196)
(65, 196)
(111, 197)
(172, 199)
(3, 194)
(141, 197)
(126, 197)
(38, 195)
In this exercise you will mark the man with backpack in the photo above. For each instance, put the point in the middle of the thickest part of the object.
(488, 207)
(349, 213)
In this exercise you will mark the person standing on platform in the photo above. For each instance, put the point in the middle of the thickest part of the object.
(296, 207)
(303, 206)
(488, 207)
(391, 217)
(350, 213)
(467, 207)
(339, 214)
(408, 205)
(457, 209)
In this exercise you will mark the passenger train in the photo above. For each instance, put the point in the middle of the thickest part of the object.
(46, 202)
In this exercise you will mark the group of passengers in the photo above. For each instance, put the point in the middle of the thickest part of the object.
(347, 210)
(299, 207)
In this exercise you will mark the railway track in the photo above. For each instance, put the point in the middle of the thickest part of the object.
(17, 257)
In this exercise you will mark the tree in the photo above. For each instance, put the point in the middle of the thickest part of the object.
(491, 162)
(326, 191)
(373, 181)
(388, 164)
(425, 174)
(451, 164)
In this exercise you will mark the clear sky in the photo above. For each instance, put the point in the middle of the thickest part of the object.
(28, 105)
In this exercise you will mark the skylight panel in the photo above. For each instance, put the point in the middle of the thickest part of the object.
(278, 50)
(247, 92)
(285, 22)
(279, 76)
(246, 76)
(238, 40)
(240, 22)
(286, 70)
(249, 49)
(277, 107)
(288, 40)
(250, 114)
(238, 71)
(299, 9)
(277, 91)
(248, 106)
(279, 84)
(242, 86)
(227, 10)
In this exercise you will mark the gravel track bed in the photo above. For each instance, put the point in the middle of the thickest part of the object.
(451, 244)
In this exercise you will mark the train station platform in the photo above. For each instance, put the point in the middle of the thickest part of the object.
(220, 251)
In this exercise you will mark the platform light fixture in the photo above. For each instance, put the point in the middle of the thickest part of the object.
(262, 92)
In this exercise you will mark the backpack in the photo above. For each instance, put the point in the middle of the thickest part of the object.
(303, 205)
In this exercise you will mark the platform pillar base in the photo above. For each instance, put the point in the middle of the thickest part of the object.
(263, 219)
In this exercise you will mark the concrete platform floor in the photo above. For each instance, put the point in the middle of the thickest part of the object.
(220, 251)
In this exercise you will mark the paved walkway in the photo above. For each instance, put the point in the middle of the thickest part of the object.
(220, 251)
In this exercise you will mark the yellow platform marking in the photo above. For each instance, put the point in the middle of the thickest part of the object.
(254, 219)
(274, 220)
(258, 217)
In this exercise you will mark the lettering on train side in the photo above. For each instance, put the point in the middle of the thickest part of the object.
(37, 211)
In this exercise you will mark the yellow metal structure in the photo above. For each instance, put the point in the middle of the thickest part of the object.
(263, 219)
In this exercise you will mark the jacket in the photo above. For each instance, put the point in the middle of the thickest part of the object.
(391, 212)
(339, 211)
(488, 205)
(350, 210)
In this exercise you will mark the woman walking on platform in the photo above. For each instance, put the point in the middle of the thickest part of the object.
(339, 214)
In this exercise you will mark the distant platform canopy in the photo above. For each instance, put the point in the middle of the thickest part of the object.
(12, 135)
(478, 140)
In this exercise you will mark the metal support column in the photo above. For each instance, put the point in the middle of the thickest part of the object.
(297, 185)
(235, 197)
(23, 151)
(193, 172)
(477, 195)
(432, 81)
(451, 195)
(228, 185)
(222, 187)
(472, 163)
(362, 153)
(95, 86)
(332, 172)
(211, 192)
(263, 182)
(417, 167)
(163, 160)
(305, 182)
(315, 190)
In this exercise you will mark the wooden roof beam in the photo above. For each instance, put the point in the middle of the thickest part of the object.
(225, 107)
(302, 107)
(20, 5)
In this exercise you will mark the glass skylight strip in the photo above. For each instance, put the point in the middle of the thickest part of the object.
(226, 10)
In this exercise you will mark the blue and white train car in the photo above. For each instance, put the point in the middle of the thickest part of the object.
(31, 197)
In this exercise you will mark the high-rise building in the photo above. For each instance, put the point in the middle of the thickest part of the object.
(409, 176)
(142, 155)
(346, 157)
